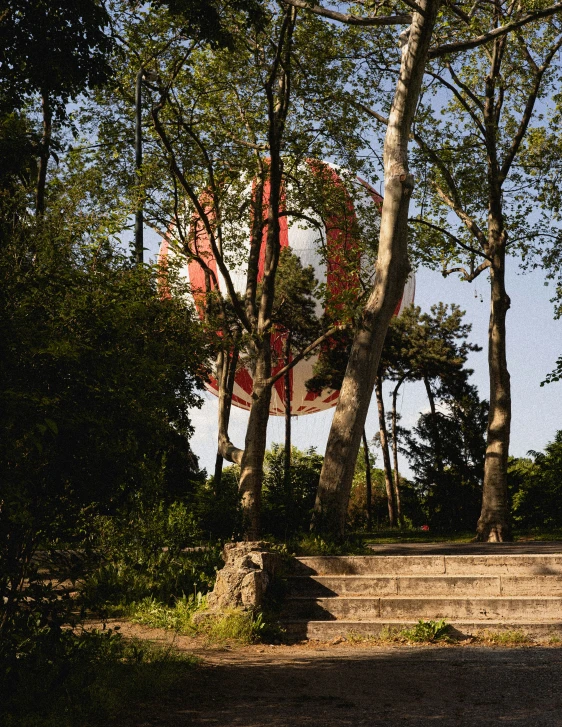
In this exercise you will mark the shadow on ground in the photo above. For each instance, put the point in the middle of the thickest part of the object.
(375, 686)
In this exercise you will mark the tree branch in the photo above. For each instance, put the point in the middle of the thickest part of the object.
(527, 114)
(459, 97)
(299, 357)
(450, 235)
(462, 215)
(348, 19)
(469, 277)
(445, 49)
(202, 215)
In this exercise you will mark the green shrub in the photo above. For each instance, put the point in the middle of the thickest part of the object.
(427, 632)
(177, 617)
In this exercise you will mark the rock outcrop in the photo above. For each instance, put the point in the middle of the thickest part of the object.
(244, 580)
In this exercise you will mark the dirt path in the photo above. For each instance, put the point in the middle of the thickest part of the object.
(342, 685)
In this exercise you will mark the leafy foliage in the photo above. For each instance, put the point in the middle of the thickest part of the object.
(448, 460)
(536, 487)
(427, 632)
(287, 506)
(98, 373)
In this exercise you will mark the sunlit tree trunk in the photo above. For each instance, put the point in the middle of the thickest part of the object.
(391, 273)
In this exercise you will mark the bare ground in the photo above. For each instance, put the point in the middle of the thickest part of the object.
(329, 685)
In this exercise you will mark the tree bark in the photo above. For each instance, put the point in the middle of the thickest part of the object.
(139, 222)
(494, 522)
(226, 373)
(287, 383)
(435, 428)
(368, 482)
(395, 454)
(251, 465)
(392, 270)
(385, 454)
(45, 150)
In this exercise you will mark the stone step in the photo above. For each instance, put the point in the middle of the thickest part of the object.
(327, 630)
(427, 607)
(422, 585)
(405, 565)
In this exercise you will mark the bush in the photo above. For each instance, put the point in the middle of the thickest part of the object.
(150, 552)
(62, 679)
(287, 505)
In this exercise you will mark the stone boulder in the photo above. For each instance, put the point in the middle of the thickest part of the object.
(244, 580)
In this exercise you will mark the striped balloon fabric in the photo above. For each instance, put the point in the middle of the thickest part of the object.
(331, 248)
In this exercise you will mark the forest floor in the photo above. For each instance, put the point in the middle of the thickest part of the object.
(340, 684)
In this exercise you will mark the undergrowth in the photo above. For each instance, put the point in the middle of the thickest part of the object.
(427, 632)
(65, 679)
(316, 545)
(189, 616)
(505, 638)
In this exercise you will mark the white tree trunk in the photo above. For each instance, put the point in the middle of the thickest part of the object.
(392, 270)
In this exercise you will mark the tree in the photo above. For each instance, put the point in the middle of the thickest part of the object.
(56, 50)
(534, 485)
(221, 166)
(429, 347)
(479, 174)
(98, 374)
(345, 434)
(392, 271)
(450, 490)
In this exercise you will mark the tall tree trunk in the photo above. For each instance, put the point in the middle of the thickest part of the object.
(226, 373)
(494, 522)
(287, 382)
(385, 454)
(368, 482)
(392, 270)
(139, 222)
(251, 466)
(435, 429)
(45, 150)
(395, 454)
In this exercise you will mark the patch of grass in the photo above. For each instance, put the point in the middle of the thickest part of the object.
(427, 632)
(178, 617)
(189, 616)
(554, 640)
(505, 638)
(233, 625)
(354, 637)
(315, 545)
(391, 537)
(535, 534)
(390, 635)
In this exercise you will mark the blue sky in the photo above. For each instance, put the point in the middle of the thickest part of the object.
(534, 343)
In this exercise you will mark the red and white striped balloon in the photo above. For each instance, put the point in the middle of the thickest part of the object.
(332, 269)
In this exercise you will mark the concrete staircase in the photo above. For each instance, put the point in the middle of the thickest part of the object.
(331, 596)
